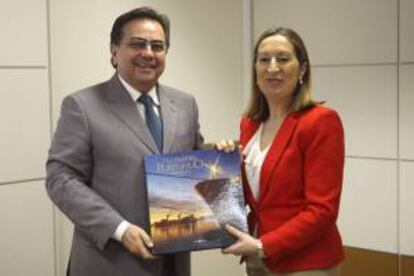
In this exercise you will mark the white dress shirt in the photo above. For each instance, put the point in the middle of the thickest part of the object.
(135, 94)
(254, 161)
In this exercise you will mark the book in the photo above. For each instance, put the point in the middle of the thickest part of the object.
(192, 196)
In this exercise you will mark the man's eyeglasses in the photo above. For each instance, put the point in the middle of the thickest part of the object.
(140, 44)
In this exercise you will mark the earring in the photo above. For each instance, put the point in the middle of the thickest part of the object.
(300, 80)
(113, 62)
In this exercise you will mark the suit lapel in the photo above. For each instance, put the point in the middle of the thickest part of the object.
(169, 117)
(275, 152)
(126, 111)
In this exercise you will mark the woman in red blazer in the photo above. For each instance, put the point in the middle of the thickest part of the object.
(293, 151)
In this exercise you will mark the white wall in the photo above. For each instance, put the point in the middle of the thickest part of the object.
(362, 54)
(406, 129)
(363, 63)
(26, 232)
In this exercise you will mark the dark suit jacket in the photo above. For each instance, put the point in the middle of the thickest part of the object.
(95, 172)
(300, 187)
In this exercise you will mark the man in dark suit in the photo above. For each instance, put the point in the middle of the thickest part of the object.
(95, 167)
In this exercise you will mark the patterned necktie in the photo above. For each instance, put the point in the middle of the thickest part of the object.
(152, 119)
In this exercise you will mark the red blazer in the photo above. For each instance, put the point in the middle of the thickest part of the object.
(300, 188)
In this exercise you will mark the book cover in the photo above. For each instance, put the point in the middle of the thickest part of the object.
(192, 196)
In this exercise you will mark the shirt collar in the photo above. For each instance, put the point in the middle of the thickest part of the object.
(135, 94)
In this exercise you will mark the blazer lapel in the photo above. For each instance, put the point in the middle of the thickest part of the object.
(275, 152)
(249, 128)
(125, 109)
(169, 117)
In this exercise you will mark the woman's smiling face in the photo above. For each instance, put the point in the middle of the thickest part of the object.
(277, 68)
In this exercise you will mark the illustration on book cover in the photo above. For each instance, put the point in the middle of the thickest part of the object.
(192, 196)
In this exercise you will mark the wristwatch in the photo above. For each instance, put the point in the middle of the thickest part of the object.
(260, 252)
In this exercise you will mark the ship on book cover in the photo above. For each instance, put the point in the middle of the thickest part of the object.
(192, 196)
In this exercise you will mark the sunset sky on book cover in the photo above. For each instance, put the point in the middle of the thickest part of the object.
(191, 196)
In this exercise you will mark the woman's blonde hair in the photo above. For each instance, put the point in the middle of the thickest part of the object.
(258, 108)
